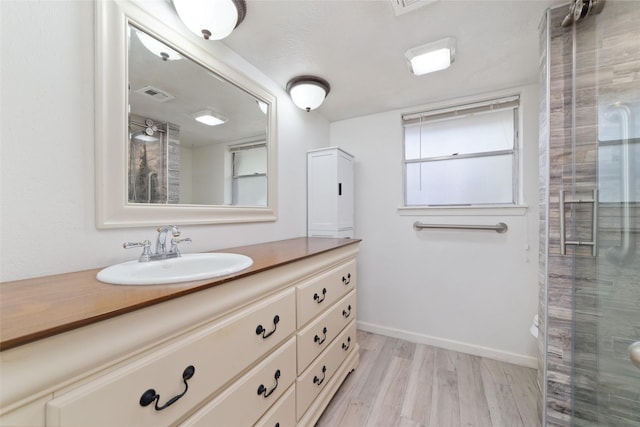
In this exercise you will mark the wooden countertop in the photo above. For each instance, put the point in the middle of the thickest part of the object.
(33, 309)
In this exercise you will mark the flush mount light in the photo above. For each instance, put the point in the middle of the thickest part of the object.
(211, 19)
(431, 57)
(209, 118)
(308, 92)
(157, 47)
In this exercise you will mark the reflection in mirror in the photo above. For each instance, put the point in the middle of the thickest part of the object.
(194, 138)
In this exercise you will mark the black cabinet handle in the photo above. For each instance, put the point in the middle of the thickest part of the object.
(346, 280)
(346, 345)
(339, 189)
(316, 297)
(263, 390)
(317, 338)
(319, 381)
(260, 329)
(346, 313)
(150, 395)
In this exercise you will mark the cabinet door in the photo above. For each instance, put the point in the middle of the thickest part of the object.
(322, 181)
(345, 191)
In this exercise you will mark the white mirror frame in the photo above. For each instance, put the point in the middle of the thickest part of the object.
(111, 131)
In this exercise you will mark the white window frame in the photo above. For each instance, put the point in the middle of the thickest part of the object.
(235, 177)
(511, 101)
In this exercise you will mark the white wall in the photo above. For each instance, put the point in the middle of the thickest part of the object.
(208, 174)
(474, 291)
(47, 147)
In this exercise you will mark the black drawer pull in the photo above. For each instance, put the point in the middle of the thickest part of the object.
(346, 313)
(316, 297)
(317, 338)
(150, 395)
(263, 390)
(346, 280)
(262, 330)
(346, 345)
(319, 381)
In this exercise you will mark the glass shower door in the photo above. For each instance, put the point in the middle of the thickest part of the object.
(606, 147)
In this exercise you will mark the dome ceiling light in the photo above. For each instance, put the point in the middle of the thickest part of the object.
(308, 92)
(157, 47)
(211, 19)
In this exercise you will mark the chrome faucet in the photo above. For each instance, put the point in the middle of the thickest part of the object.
(161, 241)
(161, 245)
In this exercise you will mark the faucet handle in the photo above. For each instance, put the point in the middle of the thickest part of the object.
(174, 244)
(146, 249)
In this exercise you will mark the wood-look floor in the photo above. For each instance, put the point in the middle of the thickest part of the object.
(399, 383)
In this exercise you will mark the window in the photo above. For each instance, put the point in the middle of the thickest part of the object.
(249, 179)
(462, 156)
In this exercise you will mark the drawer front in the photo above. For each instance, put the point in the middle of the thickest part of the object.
(283, 413)
(244, 402)
(216, 353)
(313, 380)
(318, 293)
(317, 336)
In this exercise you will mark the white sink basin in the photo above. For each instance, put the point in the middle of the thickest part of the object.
(183, 269)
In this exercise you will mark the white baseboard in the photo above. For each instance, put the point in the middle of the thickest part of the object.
(476, 350)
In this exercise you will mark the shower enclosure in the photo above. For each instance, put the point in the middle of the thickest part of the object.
(590, 203)
(154, 161)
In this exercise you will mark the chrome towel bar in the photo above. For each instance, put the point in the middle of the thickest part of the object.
(500, 227)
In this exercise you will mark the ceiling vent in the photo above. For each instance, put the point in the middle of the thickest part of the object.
(155, 94)
(400, 7)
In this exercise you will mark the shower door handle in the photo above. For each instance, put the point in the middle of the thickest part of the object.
(594, 223)
(619, 255)
(634, 353)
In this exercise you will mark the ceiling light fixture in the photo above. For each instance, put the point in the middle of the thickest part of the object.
(308, 92)
(211, 19)
(209, 118)
(157, 47)
(431, 57)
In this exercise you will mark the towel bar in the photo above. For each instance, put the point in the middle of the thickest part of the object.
(500, 227)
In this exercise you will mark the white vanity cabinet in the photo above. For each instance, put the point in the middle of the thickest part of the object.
(330, 193)
(241, 353)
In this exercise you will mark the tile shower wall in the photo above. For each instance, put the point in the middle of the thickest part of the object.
(543, 185)
(154, 167)
(591, 310)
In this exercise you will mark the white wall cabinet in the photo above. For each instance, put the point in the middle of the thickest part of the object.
(270, 348)
(330, 193)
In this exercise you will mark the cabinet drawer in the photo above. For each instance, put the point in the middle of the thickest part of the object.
(217, 352)
(244, 402)
(320, 292)
(317, 336)
(283, 413)
(313, 380)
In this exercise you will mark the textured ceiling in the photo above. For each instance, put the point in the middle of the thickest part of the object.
(358, 46)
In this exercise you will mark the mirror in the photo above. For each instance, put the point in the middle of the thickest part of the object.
(180, 137)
